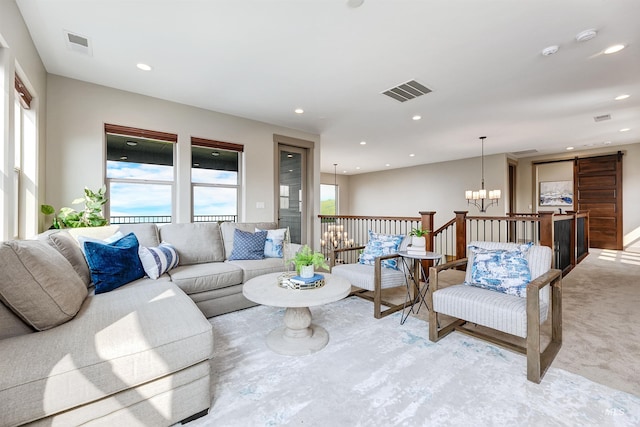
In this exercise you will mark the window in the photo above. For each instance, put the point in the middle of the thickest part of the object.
(215, 180)
(328, 197)
(21, 168)
(140, 175)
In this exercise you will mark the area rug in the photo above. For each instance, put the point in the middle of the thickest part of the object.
(380, 373)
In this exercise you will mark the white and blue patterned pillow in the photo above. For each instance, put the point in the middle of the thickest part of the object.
(381, 244)
(273, 246)
(247, 245)
(158, 260)
(501, 270)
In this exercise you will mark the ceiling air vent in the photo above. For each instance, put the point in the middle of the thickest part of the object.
(78, 43)
(406, 91)
(524, 153)
(602, 117)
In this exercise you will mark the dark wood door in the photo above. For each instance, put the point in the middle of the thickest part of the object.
(598, 189)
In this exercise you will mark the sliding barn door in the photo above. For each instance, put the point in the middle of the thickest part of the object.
(598, 189)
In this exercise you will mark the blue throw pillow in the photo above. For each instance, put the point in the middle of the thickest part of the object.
(247, 245)
(113, 264)
(381, 244)
(501, 270)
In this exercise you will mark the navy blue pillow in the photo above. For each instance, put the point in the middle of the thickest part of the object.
(247, 245)
(113, 264)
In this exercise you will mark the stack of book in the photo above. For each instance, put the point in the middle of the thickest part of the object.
(316, 281)
(416, 250)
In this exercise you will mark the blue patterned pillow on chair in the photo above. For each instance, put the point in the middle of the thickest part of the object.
(501, 270)
(381, 244)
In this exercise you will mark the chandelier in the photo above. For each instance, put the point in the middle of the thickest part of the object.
(478, 198)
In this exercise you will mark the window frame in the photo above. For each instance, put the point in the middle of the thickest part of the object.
(151, 135)
(222, 146)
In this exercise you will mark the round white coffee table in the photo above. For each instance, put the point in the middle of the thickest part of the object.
(298, 336)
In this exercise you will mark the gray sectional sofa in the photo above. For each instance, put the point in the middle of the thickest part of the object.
(137, 355)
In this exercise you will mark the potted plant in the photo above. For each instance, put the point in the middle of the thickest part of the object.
(90, 216)
(418, 237)
(307, 260)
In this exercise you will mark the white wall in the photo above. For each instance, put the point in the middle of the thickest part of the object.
(435, 187)
(76, 147)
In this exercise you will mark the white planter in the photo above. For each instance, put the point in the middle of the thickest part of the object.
(418, 242)
(306, 271)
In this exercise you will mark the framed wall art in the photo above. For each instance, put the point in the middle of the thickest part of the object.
(556, 193)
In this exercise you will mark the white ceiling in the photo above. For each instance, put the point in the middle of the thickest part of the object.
(261, 59)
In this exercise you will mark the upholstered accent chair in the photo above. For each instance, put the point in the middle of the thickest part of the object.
(487, 312)
(368, 280)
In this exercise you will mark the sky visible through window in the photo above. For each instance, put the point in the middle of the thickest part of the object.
(154, 199)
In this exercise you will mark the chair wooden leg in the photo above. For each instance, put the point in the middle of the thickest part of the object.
(538, 362)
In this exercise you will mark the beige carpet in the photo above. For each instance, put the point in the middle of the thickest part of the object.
(601, 319)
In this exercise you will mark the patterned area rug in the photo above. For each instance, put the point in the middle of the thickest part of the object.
(380, 373)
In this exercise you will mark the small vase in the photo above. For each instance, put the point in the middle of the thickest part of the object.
(306, 271)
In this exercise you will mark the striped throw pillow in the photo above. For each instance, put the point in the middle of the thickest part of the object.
(158, 260)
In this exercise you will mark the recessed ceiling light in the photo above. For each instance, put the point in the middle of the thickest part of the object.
(387, 165)
(358, 167)
(215, 153)
(412, 155)
(363, 142)
(195, 165)
(569, 148)
(607, 143)
(132, 143)
(143, 67)
(550, 50)
(298, 111)
(625, 130)
(289, 155)
(585, 35)
(123, 157)
(613, 49)
(416, 117)
(621, 97)
(344, 171)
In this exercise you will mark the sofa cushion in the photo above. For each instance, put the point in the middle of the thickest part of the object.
(252, 268)
(121, 339)
(39, 284)
(113, 264)
(195, 242)
(206, 276)
(70, 249)
(248, 245)
(11, 325)
(158, 260)
(228, 230)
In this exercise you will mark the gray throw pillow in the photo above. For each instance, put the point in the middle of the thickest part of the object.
(39, 284)
(69, 248)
